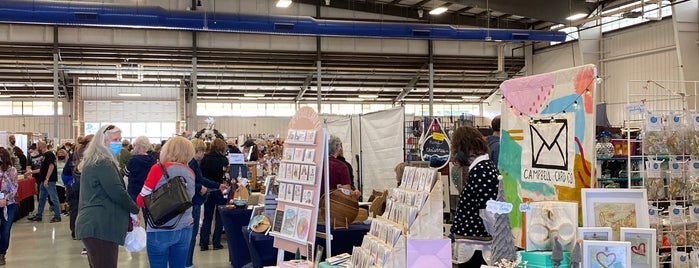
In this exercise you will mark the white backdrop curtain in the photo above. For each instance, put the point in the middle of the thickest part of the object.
(381, 148)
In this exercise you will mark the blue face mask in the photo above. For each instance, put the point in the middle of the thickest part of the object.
(115, 147)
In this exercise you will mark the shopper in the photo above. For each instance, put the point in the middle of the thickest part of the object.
(494, 140)
(138, 166)
(481, 186)
(18, 153)
(214, 165)
(8, 190)
(168, 247)
(47, 178)
(104, 207)
(124, 155)
(201, 186)
(74, 190)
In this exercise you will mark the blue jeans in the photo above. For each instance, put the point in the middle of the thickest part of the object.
(215, 198)
(6, 226)
(168, 248)
(53, 194)
(196, 211)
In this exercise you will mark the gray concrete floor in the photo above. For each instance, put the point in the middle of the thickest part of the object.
(45, 244)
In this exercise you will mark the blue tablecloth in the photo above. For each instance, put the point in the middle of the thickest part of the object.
(261, 247)
(233, 220)
(344, 238)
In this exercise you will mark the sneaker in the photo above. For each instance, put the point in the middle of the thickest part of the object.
(35, 218)
(84, 252)
(218, 247)
(56, 219)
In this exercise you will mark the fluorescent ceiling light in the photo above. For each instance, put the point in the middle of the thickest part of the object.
(4, 96)
(283, 3)
(130, 94)
(438, 10)
(247, 98)
(576, 16)
(259, 95)
(355, 99)
(471, 97)
(368, 96)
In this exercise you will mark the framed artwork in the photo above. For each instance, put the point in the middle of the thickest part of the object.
(643, 246)
(606, 254)
(595, 233)
(615, 208)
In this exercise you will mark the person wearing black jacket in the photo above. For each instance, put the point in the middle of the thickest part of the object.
(214, 165)
(201, 186)
(138, 166)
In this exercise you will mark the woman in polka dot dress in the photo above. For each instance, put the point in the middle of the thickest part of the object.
(471, 151)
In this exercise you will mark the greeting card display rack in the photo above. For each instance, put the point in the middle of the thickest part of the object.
(413, 212)
(670, 169)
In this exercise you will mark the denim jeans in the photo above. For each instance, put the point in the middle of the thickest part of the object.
(168, 248)
(196, 211)
(53, 194)
(6, 226)
(214, 199)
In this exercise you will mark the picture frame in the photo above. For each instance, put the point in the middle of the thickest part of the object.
(643, 246)
(615, 208)
(601, 254)
(595, 233)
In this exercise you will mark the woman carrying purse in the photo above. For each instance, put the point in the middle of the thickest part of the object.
(167, 244)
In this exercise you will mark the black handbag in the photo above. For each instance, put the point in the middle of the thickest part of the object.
(167, 202)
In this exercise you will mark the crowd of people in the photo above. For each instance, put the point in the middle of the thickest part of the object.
(103, 182)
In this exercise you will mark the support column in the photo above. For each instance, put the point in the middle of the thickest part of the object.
(55, 84)
(430, 48)
(192, 120)
(318, 74)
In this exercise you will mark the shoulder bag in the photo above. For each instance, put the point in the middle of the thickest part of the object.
(167, 202)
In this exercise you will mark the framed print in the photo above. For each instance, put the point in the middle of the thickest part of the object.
(298, 154)
(310, 155)
(282, 171)
(290, 219)
(307, 197)
(615, 208)
(303, 176)
(289, 174)
(291, 135)
(606, 254)
(298, 190)
(643, 246)
(312, 173)
(311, 136)
(282, 191)
(301, 135)
(289, 192)
(288, 154)
(296, 172)
(595, 233)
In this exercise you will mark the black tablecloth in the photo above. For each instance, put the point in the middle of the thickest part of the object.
(263, 253)
(233, 220)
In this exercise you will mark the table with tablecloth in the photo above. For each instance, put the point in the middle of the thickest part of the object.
(233, 220)
(26, 191)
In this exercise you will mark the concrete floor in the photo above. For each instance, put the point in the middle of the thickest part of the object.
(44, 244)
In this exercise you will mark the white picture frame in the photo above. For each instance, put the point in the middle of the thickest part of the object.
(600, 254)
(643, 246)
(615, 208)
(595, 233)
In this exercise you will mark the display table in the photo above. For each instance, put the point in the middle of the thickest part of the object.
(233, 220)
(26, 190)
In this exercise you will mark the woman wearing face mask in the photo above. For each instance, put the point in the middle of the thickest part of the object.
(104, 206)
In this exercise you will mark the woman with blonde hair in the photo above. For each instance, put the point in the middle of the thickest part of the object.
(104, 206)
(168, 244)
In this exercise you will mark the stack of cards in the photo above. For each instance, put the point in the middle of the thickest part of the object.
(420, 179)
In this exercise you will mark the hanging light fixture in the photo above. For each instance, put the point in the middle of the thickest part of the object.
(283, 3)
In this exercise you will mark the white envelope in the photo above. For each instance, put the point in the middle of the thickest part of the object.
(429, 253)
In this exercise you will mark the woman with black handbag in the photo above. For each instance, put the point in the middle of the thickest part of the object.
(104, 206)
(168, 242)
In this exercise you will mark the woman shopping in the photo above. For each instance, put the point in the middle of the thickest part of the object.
(8, 190)
(168, 243)
(104, 206)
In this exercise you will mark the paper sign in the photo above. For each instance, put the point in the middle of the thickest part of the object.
(635, 108)
(438, 136)
(525, 207)
(236, 159)
(498, 207)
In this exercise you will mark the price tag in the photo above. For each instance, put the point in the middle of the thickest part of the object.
(438, 136)
(498, 207)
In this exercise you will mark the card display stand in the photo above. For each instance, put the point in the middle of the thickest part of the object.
(413, 213)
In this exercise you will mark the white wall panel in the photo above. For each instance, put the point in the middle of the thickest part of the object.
(37, 124)
(90, 92)
(26, 33)
(638, 53)
(465, 48)
(556, 58)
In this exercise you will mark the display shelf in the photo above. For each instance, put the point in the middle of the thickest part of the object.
(619, 179)
(294, 202)
(296, 182)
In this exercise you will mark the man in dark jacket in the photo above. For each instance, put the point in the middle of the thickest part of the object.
(494, 140)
